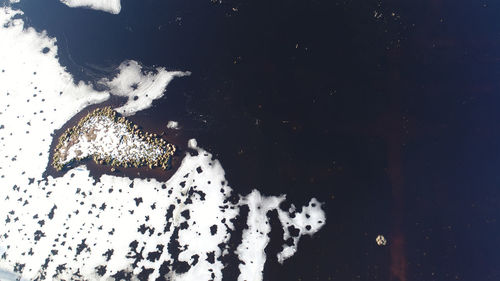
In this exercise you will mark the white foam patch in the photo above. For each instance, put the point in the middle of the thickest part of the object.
(74, 227)
(141, 87)
(110, 6)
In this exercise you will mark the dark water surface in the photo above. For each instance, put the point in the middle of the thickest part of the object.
(385, 111)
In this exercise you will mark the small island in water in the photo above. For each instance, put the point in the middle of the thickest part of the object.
(111, 140)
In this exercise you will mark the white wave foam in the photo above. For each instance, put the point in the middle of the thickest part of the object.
(110, 6)
(74, 227)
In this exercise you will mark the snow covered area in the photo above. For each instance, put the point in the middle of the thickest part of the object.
(140, 86)
(76, 227)
(110, 6)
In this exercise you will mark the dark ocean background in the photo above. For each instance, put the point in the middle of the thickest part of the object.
(387, 111)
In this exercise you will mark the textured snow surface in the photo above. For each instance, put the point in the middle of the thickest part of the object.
(74, 227)
(110, 6)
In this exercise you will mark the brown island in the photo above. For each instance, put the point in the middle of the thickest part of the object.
(111, 140)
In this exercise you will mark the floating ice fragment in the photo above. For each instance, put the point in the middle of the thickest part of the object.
(141, 87)
(308, 221)
(193, 144)
(173, 125)
(255, 238)
(110, 6)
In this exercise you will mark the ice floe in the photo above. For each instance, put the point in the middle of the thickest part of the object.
(78, 227)
(140, 86)
(110, 6)
(173, 125)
